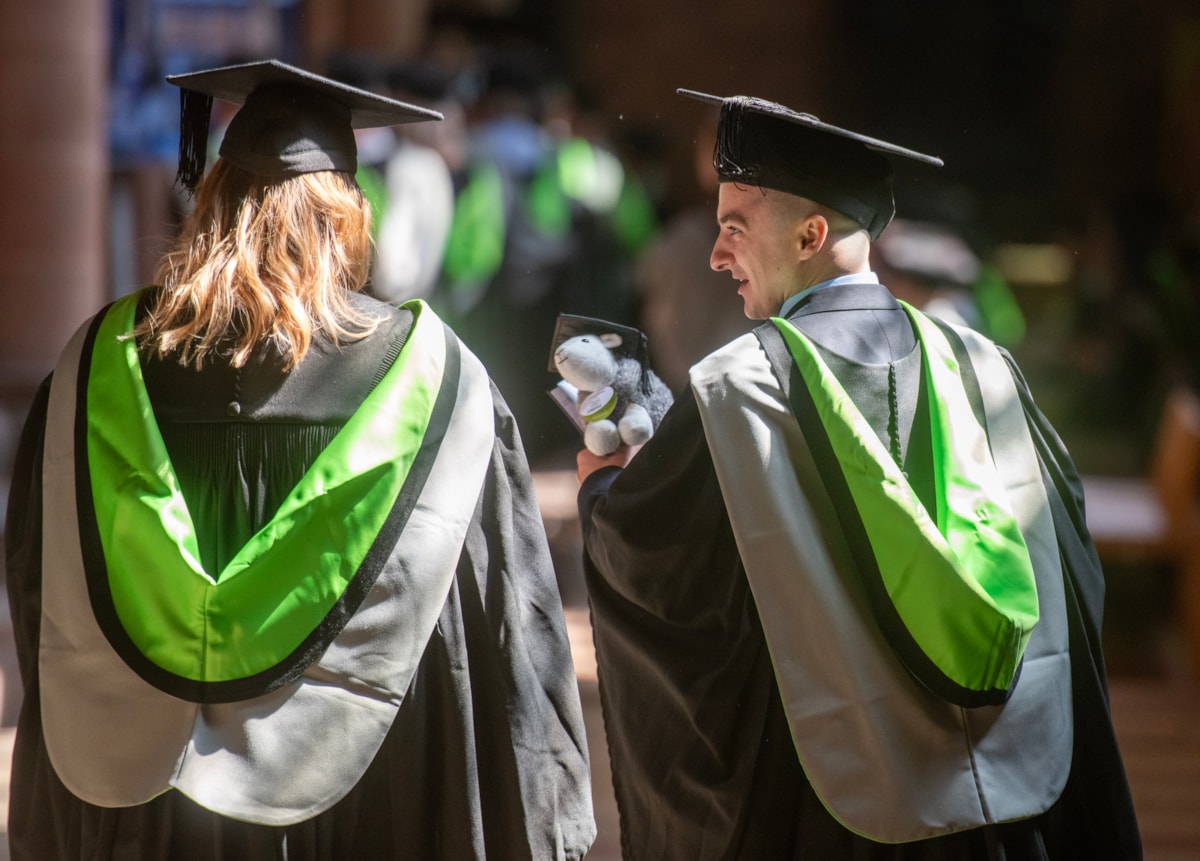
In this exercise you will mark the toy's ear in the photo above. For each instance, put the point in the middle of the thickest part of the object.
(611, 340)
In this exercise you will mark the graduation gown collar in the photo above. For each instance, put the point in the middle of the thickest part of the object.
(857, 296)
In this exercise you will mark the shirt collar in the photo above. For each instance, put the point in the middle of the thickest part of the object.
(790, 303)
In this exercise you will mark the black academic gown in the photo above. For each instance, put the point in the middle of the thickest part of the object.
(486, 757)
(703, 762)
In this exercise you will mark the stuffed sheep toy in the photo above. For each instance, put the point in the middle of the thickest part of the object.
(620, 400)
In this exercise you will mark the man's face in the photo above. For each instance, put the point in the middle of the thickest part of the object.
(757, 246)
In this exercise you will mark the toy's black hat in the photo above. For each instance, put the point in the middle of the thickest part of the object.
(765, 144)
(633, 341)
(291, 121)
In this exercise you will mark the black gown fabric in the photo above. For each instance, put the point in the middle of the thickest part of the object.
(487, 755)
(703, 762)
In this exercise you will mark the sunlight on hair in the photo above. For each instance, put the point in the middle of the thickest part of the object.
(261, 260)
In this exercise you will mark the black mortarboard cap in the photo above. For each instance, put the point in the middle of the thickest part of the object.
(567, 326)
(633, 344)
(291, 121)
(765, 144)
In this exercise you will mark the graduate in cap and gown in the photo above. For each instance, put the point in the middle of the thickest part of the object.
(844, 601)
(279, 584)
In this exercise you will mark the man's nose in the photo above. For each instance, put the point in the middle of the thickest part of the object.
(720, 259)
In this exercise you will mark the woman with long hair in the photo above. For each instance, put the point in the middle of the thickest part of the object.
(278, 580)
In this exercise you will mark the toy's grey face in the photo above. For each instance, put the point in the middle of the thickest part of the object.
(586, 362)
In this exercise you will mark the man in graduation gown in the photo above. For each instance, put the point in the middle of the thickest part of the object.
(844, 601)
(286, 610)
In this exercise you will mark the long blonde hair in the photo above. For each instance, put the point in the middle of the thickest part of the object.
(261, 260)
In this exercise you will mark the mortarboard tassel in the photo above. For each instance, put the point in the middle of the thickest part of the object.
(642, 354)
(731, 143)
(195, 110)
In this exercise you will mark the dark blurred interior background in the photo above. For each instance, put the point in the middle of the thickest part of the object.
(1066, 221)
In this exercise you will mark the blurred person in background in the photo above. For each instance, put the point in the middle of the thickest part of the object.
(405, 173)
(547, 220)
(932, 267)
(929, 267)
(419, 184)
(844, 600)
(499, 279)
(279, 584)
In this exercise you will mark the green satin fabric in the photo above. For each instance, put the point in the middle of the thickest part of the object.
(233, 623)
(964, 585)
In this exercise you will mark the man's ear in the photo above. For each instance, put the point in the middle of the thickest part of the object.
(811, 234)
